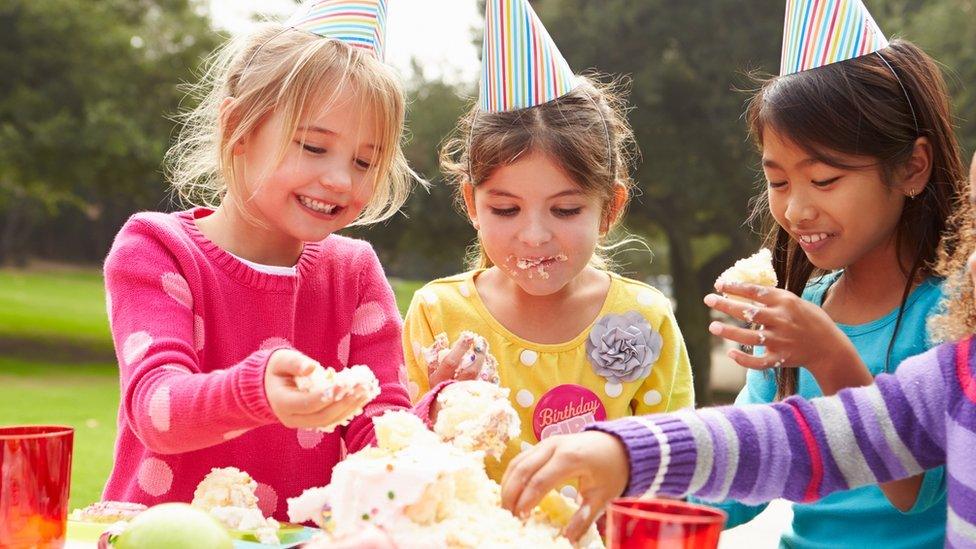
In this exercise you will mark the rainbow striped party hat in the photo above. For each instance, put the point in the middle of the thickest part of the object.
(821, 32)
(521, 65)
(359, 23)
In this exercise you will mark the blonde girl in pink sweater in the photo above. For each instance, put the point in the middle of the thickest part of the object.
(215, 310)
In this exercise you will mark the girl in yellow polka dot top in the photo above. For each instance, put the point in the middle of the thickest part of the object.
(575, 343)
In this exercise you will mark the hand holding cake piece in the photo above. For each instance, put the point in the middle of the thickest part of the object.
(468, 358)
(304, 395)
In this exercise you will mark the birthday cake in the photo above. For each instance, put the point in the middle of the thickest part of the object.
(425, 492)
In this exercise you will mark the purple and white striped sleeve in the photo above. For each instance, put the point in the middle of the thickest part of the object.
(797, 449)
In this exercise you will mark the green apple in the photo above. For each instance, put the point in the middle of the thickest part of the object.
(174, 526)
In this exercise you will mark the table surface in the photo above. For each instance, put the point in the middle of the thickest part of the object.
(762, 533)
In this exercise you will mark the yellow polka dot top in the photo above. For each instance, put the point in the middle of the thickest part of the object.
(630, 360)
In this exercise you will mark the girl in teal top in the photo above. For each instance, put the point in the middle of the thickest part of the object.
(862, 515)
(862, 170)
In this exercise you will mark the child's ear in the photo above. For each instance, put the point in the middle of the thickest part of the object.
(618, 202)
(918, 169)
(229, 120)
(467, 191)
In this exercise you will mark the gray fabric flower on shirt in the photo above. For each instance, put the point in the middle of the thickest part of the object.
(623, 347)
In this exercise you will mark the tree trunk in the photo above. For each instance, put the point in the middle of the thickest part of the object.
(691, 313)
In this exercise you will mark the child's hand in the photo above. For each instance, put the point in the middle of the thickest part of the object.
(794, 332)
(598, 460)
(299, 409)
(462, 362)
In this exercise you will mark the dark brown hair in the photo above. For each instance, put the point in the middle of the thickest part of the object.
(859, 108)
(585, 131)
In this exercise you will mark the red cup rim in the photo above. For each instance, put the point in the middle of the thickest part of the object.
(34, 431)
(713, 516)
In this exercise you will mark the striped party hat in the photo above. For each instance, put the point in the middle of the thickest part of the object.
(359, 23)
(821, 32)
(521, 65)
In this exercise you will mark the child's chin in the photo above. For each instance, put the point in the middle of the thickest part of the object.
(540, 288)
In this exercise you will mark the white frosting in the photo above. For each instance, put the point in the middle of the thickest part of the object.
(228, 495)
(420, 490)
(336, 385)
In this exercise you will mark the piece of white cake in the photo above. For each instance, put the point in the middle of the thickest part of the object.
(477, 416)
(337, 385)
(755, 269)
(228, 495)
(421, 491)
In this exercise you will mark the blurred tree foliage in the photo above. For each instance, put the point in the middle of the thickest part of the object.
(84, 98)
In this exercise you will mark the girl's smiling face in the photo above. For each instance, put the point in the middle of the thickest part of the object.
(837, 215)
(535, 223)
(323, 179)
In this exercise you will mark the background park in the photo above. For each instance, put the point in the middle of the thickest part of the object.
(89, 90)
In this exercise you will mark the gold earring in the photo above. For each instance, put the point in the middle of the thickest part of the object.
(912, 193)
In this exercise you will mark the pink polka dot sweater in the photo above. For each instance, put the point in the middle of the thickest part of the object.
(193, 328)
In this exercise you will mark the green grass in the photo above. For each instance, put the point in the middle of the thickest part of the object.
(63, 306)
(55, 314)
(84, 396)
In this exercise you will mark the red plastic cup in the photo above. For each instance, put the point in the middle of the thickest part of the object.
(35, 476)
(664, 524)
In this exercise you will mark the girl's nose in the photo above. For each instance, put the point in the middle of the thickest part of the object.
(799, 210)
(535, 234)
(336, 179)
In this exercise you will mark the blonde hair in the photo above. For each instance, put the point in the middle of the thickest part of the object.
(585, 131)
(958, 320)
(277, 69)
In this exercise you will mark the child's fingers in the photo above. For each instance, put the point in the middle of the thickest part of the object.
(743, 336)
(752, 362)
(518, 476)
(750, 312)
(292, 364)
(549, 475)
(453, 358)
(471, 365)
(752, 292)
(583, 518)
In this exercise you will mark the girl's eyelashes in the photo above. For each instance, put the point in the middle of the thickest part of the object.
(361, 163)
(504, 212)
(566, 212)
(310, 148)
(821, 183)
(825, 182)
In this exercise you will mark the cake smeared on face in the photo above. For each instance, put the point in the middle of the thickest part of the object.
(533, 266)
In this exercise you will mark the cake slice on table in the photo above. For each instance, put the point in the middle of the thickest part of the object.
(228, 495)
(107, 512)
(755, 269)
